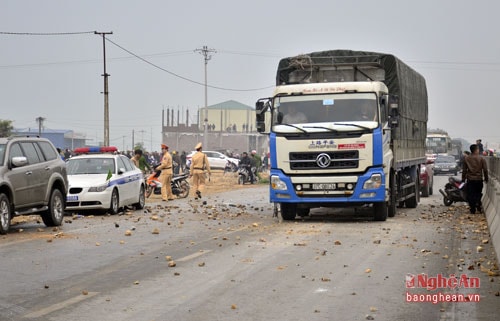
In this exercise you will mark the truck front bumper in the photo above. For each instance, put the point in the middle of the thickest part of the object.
(366, 188)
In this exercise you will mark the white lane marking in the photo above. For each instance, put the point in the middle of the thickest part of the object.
(60, 305)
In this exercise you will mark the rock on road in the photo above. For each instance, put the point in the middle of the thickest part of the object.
(231, 260)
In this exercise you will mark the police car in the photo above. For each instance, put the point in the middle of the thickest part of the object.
(102, 179)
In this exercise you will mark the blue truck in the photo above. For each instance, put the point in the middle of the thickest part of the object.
(346, 128)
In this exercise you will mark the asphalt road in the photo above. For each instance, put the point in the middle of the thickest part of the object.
(231, 260)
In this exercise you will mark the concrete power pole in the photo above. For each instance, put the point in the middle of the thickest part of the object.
(207, 56)
(40, 121)
(106, 96)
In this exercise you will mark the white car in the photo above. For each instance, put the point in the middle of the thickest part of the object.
(216, 160)
(103, 182)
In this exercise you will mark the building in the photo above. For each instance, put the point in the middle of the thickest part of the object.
(230, 129)
(61, 138)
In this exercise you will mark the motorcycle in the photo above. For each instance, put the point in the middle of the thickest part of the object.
(230, 167)
(179, 184)
(454, 191)
(244, 175)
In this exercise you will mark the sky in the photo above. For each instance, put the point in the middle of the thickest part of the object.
(51, 62)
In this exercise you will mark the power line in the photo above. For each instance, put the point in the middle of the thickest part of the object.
(45, 33)
(179, 76)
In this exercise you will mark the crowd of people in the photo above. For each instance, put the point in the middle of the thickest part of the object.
(172, 163)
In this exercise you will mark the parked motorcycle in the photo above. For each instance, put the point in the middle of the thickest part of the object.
(179, 184)
(454, 191)
(230, 167)
(244, 175)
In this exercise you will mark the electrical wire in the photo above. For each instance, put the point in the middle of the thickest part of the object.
(182, 77)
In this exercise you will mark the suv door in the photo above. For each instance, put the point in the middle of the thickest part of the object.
(19, 177)
(40, 174)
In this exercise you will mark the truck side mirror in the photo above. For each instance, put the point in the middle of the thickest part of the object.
(394, 111)
(261, 107)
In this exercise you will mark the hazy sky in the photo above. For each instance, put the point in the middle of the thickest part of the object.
(454, 44)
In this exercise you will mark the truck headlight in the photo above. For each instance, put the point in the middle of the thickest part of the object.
(375, 181)
(277, 183)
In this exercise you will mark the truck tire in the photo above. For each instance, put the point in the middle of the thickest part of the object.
(391, 210)
(5, 214)
(288, 211)
(380, 211)
(412, 202)
(55, 214)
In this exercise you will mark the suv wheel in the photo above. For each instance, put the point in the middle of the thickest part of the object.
(5, 214)
(55, 214)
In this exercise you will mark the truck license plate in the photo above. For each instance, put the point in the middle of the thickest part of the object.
(323, 186)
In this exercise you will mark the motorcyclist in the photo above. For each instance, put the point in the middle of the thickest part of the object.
(248, 163)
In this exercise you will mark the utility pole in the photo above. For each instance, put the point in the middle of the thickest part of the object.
(207, 56)
(40, 121)
(106, 98)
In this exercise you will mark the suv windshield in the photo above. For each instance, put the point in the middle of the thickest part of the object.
(325, 108)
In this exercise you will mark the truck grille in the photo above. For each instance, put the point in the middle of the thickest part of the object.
(338, 160)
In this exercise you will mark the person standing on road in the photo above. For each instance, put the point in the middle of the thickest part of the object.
(475, 168)
(480, 146)
(166, 174)
(140, 161)
(199, 164)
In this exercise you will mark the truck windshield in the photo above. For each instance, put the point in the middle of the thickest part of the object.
(345, 107)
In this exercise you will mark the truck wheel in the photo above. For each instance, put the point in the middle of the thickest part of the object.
(412, 202)
(447, 201)
(380, 211)
(115, 202)
(288, 211)
(55, 214)
(391, 210)
(5, 214)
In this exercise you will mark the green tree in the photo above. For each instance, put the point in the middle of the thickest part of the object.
(6, 128)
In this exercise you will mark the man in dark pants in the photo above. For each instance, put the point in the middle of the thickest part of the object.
(474, 169)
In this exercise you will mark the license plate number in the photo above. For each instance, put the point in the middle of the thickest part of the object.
(323, 186)
(72, 198)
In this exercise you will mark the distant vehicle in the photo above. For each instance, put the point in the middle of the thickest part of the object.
(217, 160)
(33, 180)
(427, 179)
(445, 164)
(104, 182)
(437, 143)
